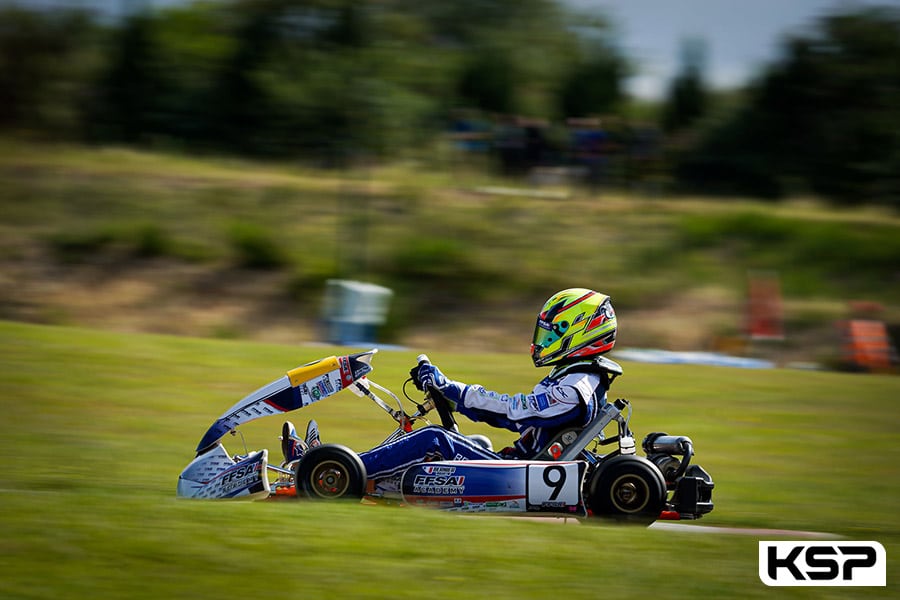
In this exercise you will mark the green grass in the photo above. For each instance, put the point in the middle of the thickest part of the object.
(96, 427)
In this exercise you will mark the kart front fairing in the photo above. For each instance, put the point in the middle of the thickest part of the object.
(215, 474)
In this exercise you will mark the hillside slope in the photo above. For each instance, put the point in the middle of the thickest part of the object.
(137, 241)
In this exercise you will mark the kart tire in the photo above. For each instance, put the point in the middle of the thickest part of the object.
(330, 472)
(627, 489)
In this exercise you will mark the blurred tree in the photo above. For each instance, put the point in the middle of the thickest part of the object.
(311, 78)
(593, 86)
(130, 86)
(319, 82)
(592, 70)
(191, 46)
(488, 81)
(45, 63)
(238, 113)
(463, 23)
(349, 28)
(686, 101)
(508, 53)
(826, 115)
(853, 144)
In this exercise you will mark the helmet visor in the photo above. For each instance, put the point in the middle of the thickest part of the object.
(544, 334)
(547, 333)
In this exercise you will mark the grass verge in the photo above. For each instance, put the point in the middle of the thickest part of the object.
(98, 425)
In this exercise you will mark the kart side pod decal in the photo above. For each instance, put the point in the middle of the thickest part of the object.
(298, 388)
(497, 486)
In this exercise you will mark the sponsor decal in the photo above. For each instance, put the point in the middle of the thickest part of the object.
(241, 477)
(822, 564)
(324, 386)
(560, 392)
(500, 506)
(346, 372)
(440, 479)
(438, 470)
(519, 401)
(443, 485)
(542, 401)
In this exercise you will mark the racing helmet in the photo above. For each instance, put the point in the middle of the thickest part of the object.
(573, 324)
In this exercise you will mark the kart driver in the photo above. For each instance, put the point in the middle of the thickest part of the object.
(574, 329)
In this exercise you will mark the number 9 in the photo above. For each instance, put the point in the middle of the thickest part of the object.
(557, 483)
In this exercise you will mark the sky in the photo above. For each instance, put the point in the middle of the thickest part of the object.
(740, 36)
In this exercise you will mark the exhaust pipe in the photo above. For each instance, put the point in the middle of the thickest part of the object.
(662, 443)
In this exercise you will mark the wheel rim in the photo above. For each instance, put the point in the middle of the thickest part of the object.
(329, 480)
(629, 494)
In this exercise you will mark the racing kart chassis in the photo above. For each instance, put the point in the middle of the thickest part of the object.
(571, 476)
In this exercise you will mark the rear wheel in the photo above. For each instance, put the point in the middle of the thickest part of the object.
(627, 489)
(329, 472)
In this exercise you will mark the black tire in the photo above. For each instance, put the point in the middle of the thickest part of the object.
(627, 489)
(330, 472)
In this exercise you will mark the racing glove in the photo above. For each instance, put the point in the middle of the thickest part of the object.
(427, 376)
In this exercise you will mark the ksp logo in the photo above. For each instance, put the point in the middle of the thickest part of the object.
(822, 564)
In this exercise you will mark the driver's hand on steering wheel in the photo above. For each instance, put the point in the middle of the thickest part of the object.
(426, 376)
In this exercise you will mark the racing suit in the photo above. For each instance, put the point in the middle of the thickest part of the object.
(570, 396)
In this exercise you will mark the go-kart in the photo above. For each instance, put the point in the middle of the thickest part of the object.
(570, 476)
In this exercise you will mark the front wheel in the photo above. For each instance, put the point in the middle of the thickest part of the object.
(329, 472)
(627, 489)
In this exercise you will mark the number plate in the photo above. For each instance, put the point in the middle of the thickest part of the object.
(555, 486)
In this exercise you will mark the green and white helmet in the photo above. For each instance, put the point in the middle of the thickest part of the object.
(573, 324)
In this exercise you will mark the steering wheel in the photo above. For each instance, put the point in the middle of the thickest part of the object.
(440, 403)
(443, 409)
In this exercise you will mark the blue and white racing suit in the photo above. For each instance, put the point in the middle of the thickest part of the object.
(570, 396)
